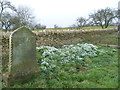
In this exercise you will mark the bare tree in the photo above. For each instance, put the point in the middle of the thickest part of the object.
(56, 26)
(39, 26)
(25, 15)
(4, 4)
(10, 21)
(103, 17)
(6, 21)
(22, 16)
(81, 22)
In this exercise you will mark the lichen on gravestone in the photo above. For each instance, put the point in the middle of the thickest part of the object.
(22, 55)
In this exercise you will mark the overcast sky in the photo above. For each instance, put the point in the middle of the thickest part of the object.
(63, 12)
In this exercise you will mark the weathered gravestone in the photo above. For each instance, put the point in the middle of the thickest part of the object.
(22, 56)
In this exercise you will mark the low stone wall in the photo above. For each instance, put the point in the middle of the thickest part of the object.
(60, 37)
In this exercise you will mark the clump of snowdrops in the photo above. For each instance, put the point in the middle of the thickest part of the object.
(51, 57)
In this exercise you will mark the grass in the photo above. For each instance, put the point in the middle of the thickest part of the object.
(102, 38)
(101, 72)
(84, 28)
(98, 27)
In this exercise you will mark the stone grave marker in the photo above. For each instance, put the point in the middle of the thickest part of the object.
(22, 55)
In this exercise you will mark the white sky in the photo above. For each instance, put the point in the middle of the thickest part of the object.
(63, 12)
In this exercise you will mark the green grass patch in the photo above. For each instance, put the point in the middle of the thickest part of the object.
(98, 27)
(83, 28)
(110, 38)
(100, 71)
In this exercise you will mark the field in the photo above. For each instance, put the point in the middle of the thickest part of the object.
(83, 28)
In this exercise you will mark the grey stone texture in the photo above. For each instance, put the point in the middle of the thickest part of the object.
(22, 55)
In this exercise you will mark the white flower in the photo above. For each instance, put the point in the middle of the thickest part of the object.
(38, 48)
(67, 54)
(44, 63)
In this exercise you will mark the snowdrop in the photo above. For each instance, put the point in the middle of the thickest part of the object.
(66, 54)
(44, 63)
